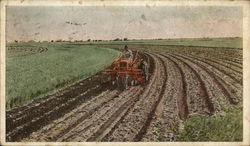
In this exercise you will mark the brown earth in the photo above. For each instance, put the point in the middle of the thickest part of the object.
(181, 85)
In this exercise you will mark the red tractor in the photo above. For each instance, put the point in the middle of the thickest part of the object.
(124, 72)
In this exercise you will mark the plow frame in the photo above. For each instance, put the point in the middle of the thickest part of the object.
(123, 72)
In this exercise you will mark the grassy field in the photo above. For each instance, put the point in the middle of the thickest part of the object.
(30, 73)
(226, 126)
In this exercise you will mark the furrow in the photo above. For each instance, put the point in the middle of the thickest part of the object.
(23, 130)
(61, 126)
(236, 80)
(203, 90)
(182, 98)
(91, 124)
(222, 84)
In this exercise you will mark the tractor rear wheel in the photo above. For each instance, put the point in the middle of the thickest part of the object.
(117, 82)
(126, 81)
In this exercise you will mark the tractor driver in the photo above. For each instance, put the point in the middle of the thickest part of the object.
(127, 54)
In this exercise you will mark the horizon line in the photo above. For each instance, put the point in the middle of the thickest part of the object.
(119, 39)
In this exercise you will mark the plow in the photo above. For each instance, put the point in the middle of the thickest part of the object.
(126, 72)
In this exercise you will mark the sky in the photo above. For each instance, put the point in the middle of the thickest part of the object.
(45, 23)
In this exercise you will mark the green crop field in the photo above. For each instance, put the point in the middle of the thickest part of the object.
(34, 69)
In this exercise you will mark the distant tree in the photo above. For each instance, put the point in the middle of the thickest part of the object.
(89, 40)
(52, 40)
(59, 40)
(125, 39)
(16, 41)
(117, 39)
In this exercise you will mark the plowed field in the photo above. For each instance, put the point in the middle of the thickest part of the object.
(180, 85)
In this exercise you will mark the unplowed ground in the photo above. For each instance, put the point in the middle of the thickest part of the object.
(180, 85)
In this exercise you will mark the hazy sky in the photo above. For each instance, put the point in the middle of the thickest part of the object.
(137, 22)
